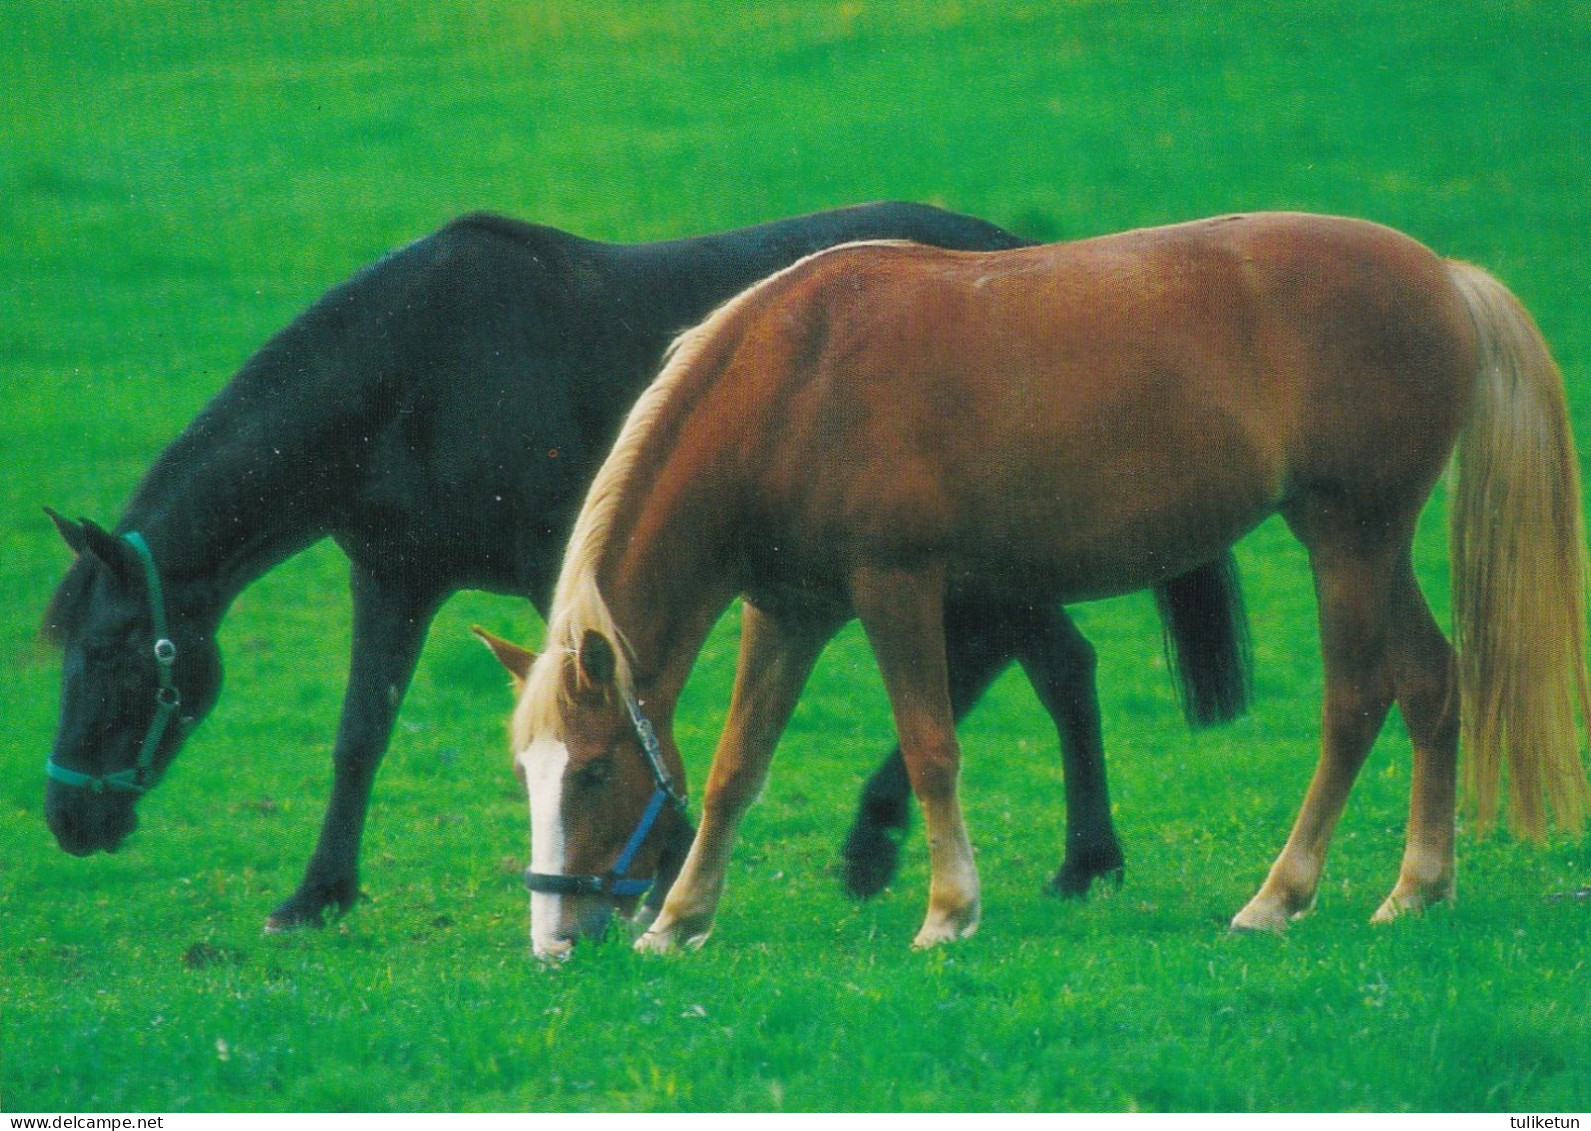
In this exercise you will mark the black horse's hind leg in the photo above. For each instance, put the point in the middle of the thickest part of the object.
(1060, 664)
(978, 646)
(388, 632)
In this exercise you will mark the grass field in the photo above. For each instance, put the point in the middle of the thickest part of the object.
(176, 181)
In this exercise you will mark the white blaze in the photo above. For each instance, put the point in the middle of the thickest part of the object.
(543, 762)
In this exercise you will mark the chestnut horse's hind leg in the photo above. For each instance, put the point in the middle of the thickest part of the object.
(1427, 690)
(1353, 590)
(775, 660)
(903, 614)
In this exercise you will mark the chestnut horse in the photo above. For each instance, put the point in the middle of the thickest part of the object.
(884, 427)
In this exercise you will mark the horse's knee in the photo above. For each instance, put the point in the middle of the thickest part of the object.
(730, 794)
(933, 768)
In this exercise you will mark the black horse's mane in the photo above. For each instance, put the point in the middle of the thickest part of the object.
(272, 388)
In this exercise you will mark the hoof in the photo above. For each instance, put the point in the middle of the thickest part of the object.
(871, 855)
(1268, 913)
(1391, 909)
(1078, 874)
(947, 928)
(309, 909)
(676, 932)
(1399, 904)
(285, 920)
(652, 942)
(670, 942)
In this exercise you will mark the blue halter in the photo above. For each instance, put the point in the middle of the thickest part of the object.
(138, 778)
(614, 883)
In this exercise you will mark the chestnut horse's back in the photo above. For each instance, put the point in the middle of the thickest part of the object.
(1084, 419)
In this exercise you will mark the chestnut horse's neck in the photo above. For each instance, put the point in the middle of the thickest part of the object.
(666, 536)
(671, 578)
(655, 556)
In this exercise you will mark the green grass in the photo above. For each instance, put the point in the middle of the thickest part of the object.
(176, 181)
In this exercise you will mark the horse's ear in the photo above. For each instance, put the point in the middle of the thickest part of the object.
(116, 554)
(516, 659)
(597, 663)
(71, 533)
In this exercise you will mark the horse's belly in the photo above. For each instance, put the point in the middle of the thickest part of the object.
(1114, 529)
(1089, 569)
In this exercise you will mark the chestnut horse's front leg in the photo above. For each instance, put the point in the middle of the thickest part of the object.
(903, 614)
(776, 656)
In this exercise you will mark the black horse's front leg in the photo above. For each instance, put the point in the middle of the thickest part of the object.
(978, 647)
(389, 629)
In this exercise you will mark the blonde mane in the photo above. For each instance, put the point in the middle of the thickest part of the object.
(578, 606)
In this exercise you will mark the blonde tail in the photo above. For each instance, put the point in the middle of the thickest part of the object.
(1519, 573)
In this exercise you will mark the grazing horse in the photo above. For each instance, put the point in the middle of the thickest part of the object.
(439, 415)
(884, 428)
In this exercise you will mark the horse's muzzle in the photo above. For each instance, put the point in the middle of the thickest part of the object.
(85, 823)
(580, 919)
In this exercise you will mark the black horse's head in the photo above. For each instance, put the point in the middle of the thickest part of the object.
(136, 675)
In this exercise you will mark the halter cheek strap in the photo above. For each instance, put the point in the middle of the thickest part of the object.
(139, 777)
(614, 883)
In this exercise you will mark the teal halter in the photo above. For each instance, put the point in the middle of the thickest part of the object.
(138, 778)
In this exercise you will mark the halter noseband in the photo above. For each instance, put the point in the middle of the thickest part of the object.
(138, 778)
(613, 883)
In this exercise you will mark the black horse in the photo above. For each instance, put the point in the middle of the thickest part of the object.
(439, 416)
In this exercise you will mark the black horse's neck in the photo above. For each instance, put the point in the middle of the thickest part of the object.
(216, 520)
(214, 525)
(256, 476)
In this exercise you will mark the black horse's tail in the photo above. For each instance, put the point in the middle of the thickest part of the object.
(1208, 647)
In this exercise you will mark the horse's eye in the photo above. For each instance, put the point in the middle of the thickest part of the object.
(595, 772)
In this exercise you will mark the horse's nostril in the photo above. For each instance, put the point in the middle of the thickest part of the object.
(69, 834)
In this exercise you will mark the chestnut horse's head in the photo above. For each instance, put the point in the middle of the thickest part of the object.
(607, 814)
(135, 678)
